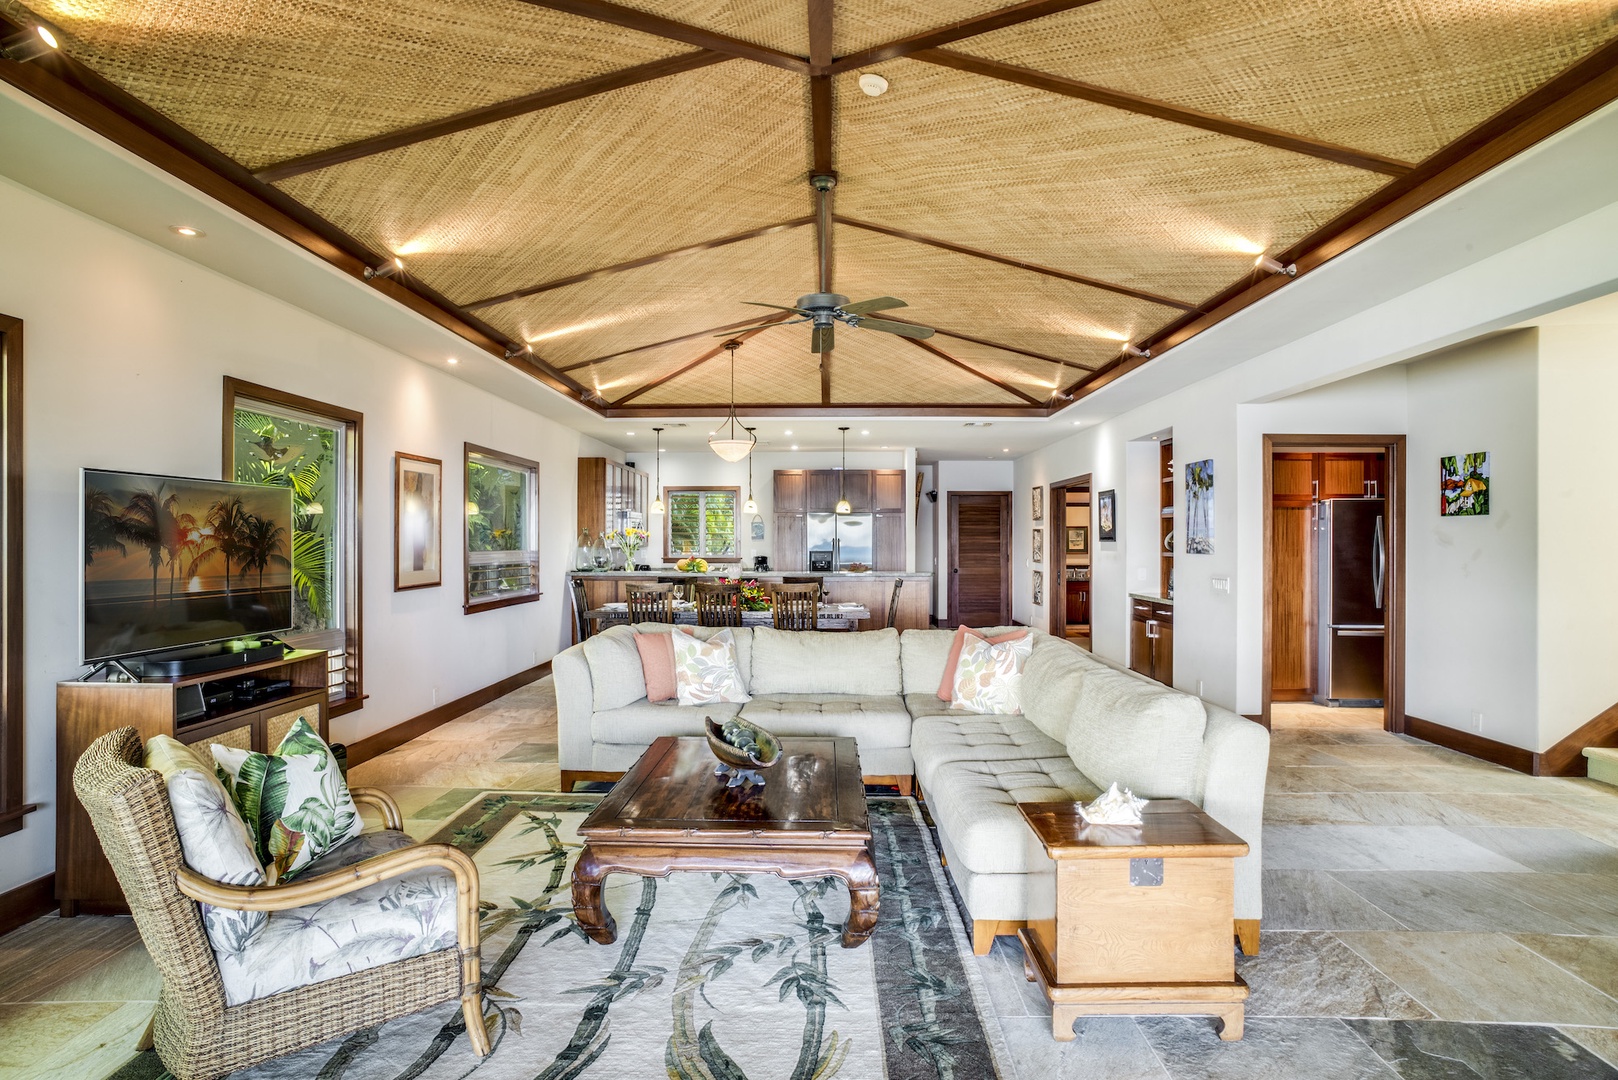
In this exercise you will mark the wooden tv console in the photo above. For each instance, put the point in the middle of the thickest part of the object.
(87, 710)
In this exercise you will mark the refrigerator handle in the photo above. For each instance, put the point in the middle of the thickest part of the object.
(1378, 561)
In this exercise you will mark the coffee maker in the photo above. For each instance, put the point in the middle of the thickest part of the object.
(761, 563)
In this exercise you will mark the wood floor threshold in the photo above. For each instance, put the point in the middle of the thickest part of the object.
(376, 745)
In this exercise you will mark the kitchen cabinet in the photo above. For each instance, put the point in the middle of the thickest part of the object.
(801, 494)
(1151, 640)
(888, 490)
(611, 497)
(889, 541)
(791, 542)
(824, 490)
(791, 491)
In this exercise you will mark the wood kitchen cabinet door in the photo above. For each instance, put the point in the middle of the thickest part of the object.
(791, 491)
(888, 534)
(888, 490)
(791, 549)
(857, 489)
(824, 490)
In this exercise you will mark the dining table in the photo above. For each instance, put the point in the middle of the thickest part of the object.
(829, 617)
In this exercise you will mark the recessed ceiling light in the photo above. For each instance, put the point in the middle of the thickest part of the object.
(629, 433)
(794, 446)
(865, 433)
(663, 450)
(884, 448)
(1076, 423)
(873, 84)
(789, 431)
(1005, 449)
(187, 230)
(455, 360)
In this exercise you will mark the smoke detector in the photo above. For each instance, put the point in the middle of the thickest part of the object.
(873, 84)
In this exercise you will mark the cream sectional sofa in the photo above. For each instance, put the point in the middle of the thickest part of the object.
(1086, 723)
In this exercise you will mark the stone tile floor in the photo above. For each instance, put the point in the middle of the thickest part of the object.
(1427, 916)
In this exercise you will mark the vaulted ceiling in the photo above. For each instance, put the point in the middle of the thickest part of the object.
(595, 190)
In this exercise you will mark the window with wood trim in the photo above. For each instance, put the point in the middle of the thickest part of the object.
(700, 523)
(502, 529)
(272, 437)
(12, 806)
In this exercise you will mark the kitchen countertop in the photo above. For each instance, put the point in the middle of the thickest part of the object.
(1151, 599)
(739, 572)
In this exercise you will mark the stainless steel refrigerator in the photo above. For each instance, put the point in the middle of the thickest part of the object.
(1352, 623)
(835, 540)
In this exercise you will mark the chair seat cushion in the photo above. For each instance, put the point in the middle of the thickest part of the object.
(877, 721)
(406, 916)
(975, 805)
(640, 723)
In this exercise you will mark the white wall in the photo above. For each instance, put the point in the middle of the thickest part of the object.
(976, 476)
(126, 349)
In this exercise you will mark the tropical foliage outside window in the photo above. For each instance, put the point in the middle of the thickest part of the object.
(701, 522)
(502, 533)
(316, 455)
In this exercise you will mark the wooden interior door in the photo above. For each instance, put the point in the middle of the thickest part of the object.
(1292, 547)
(980, 558)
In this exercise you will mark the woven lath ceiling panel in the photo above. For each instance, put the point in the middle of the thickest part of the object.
(1076, 186)
(856, 24)
(987, 300)
(654, 303)
(774, 367)
(873, 368)
(589, 184)
(619, 376)
(864, 24)
(1031, 376)
(1396, 77)
(265, 81)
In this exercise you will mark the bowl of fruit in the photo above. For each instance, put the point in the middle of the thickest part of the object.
(743, 749)
(692, 566)
(858, 568)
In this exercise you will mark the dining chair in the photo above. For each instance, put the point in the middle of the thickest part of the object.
(718, 604)
(651, 603)
(797, 606)
(581, 604)
(893, 604)
(816, 581)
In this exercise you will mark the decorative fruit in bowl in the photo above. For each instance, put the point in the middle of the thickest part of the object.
(692, 566)
(743, 750)
(858, 568)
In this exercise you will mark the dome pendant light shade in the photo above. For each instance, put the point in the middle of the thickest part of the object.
(730, 447)
(843, 506)
(657, 494)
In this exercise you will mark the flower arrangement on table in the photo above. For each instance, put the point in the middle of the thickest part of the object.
(753, 596)
(631, 540)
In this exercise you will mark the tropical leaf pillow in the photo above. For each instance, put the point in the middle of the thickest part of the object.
(988, 678)
(294, 801)
(213, 838)
(705, 672)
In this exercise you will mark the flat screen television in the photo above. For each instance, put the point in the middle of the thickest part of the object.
(172, 562)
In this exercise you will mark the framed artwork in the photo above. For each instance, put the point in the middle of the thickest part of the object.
(1039, 504)
(1107, 516)
(1199, 507)
(1464, 482)
(756, 528)
(1039, 588)
(1078, 540)
(1039, 545)
(418, 522)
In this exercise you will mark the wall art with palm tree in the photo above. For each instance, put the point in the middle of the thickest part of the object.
(1464, 482)
(172, 561)
(1199, 507)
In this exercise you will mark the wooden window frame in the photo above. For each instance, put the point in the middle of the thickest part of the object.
(12, 719)
(354, 593)
(470, 606)
(669, 555)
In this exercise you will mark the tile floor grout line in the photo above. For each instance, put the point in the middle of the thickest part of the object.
(1560, 967)
(1368, 962)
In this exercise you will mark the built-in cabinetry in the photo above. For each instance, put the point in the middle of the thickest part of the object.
(611, 496)
(804, 496)
(87, 710)
(1151, 640)
(1167, 541)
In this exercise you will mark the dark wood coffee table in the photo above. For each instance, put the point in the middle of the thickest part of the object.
(670, 813)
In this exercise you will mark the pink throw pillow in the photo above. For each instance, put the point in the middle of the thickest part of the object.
(657, 664)
(946, 688)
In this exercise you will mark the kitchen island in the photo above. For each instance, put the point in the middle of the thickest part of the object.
(872, 589)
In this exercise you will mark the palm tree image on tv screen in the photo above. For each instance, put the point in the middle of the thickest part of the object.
(171, 561)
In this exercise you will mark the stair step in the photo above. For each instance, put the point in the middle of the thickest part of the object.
(1603, 764)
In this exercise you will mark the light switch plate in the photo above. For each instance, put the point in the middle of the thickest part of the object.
(1220, 584)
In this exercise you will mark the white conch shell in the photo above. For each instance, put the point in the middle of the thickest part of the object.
(1113, 808)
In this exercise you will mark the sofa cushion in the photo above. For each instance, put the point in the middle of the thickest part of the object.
(639, 723)
(657, 664)
(817, 662)
(939, 739)
(615, 672)
(923, 654)
(1050, 685)
(988, 674)
(741, 635)
(975, 805)
(705, 672)
(877, 721)
(947, 686)
(1139, 734)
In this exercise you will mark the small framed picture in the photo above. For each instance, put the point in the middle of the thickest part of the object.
(1039, 545)
(1107, 516)
(418, 522)
(1039, 588)
(1039, 504)
(1078, 540)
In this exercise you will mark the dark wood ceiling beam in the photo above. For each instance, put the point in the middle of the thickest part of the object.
(698, 362)
(712, 331)
(1020, 264)
(489, 114)
(1162, 110)
(842, 408)
(929, 347)
(656, 25)
(943, 35)
(635, 264)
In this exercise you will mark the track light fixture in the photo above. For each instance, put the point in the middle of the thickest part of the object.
(1135, 350)
(29, 44)
(1274, 266)
(393, 266)
(514, 351)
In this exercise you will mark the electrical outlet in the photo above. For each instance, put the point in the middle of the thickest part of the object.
(435, 695)
(1199, 687)
(1477, 722)
(533, 656)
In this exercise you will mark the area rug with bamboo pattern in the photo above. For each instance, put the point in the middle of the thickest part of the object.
(713, 976)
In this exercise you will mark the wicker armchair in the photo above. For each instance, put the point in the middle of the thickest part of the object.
(197, 1034)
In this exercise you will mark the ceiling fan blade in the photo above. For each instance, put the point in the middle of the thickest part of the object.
(778, 307)
(821, 341)
(903, 329)
(760, 326)
(881, 303)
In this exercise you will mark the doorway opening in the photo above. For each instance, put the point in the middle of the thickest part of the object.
(979, 558)
(1069, 541)
(1334, 593)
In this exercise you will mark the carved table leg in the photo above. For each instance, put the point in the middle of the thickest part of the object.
(588, 908)
(864, 900)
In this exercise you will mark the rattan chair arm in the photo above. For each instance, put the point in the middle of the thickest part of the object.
(370, 871)
(391, 817)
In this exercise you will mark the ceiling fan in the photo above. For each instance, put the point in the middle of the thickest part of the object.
(826, 310)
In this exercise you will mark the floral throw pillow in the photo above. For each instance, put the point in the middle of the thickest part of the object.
(988, 678)
(705, 672)
(213, 838)
(294, 801)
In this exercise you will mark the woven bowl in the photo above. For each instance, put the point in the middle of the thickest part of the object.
(768, 745)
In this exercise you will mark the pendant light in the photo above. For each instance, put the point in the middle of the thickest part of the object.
(657, 501)
(730, 447)
(842, 494)
(751, 506)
